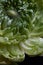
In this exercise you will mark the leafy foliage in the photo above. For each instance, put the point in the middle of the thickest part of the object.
(21, 28)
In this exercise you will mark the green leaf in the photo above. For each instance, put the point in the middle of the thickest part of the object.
(12, 52)
(33, 46)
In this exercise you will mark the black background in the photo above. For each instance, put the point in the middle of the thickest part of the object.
(32, 60)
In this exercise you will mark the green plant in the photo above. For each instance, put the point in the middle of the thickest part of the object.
(21, 29)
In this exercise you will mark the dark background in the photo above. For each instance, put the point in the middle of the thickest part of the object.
(32, 60)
